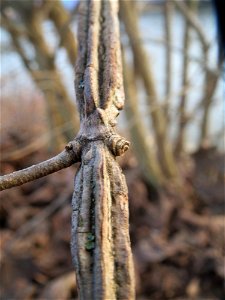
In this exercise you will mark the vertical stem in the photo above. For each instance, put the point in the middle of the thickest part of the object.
(211, 80)
(146, 156)
(168, 37)
(100, 229)
(45, 61)
(183, 100)
(60, 17)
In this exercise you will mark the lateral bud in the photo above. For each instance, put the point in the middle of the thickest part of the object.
(74, 146)
(117, 144)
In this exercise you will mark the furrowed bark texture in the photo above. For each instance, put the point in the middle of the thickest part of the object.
(100, 243)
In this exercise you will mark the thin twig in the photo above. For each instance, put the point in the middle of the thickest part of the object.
(183, 100)
(193, 21)
(63, 160)
(168, 34)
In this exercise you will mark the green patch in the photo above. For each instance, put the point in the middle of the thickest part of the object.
(90, 237)
(90, 244)
(80, 222)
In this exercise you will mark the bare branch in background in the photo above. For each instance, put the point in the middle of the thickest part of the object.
(210, 80)
(166, 158)
(194, 22)
(140, 136)
(169, 7)
(61, 19)
(210, 84)
(59, 105)
(179, 147)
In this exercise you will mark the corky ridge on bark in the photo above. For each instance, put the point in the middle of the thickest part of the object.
(100, 229)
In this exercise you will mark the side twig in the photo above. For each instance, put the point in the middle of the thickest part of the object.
(63, 160)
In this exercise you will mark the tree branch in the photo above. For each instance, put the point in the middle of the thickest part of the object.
(66, 158)
(168, 35)
(180, 143)
(194, 22)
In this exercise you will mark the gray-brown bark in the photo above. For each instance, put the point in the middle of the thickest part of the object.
(100, 236)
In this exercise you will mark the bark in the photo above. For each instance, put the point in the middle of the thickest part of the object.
(100, 236)
(166, 158)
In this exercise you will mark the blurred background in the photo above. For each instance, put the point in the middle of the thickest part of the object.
(174, 118)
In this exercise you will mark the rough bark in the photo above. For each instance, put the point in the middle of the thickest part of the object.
(100, 236)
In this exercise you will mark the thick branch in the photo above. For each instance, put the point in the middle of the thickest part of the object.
(100, 231)
(63, 160)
